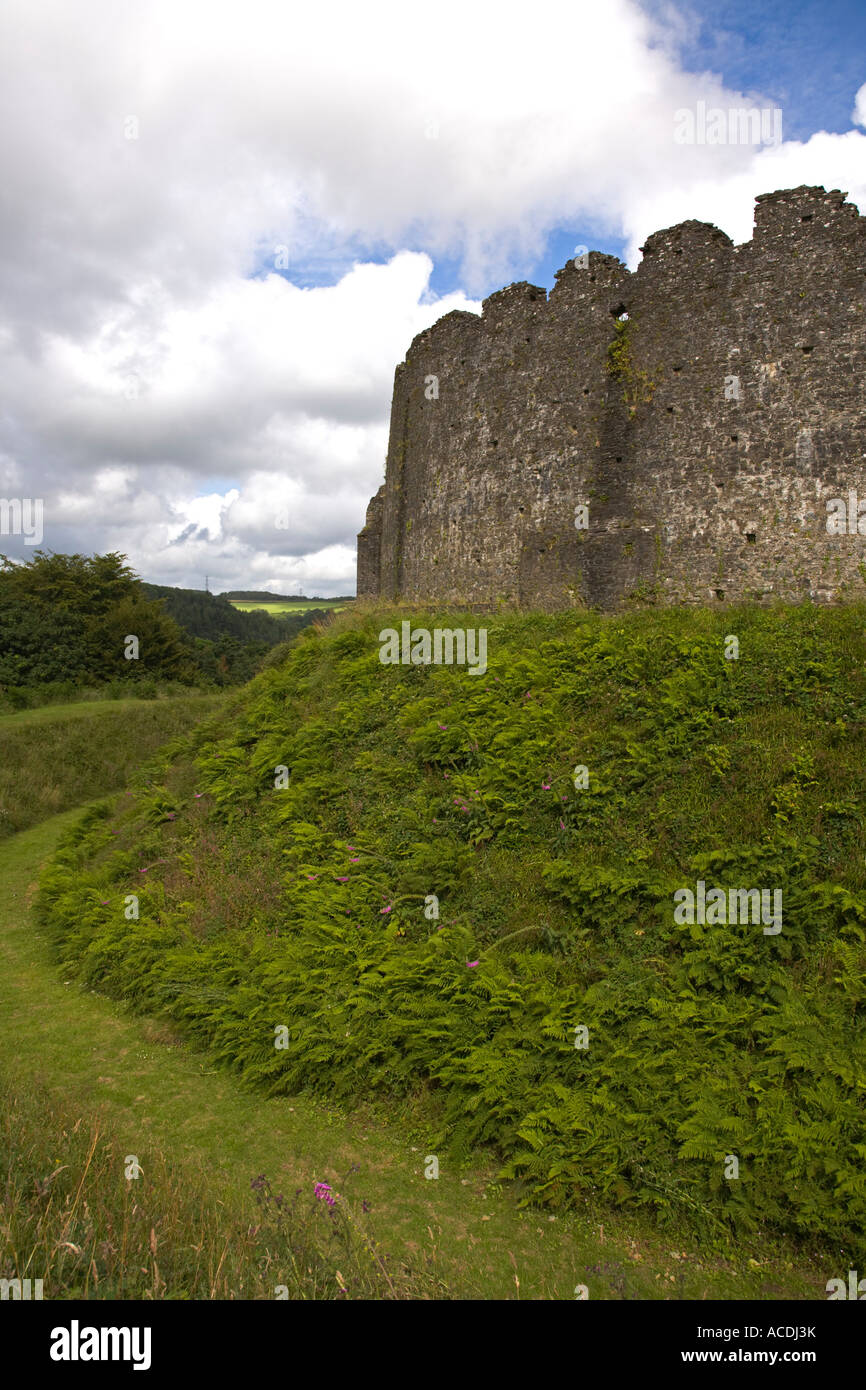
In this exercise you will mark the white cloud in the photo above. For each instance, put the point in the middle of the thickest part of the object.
(284, 389)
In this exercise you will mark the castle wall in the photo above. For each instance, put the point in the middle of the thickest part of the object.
(370, 547)
(704, 431)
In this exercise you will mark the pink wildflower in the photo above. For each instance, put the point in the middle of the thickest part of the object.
(385, 909)
(472, 964)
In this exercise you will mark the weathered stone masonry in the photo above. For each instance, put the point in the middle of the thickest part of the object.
(549, 402)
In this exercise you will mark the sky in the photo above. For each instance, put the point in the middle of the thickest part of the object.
(222, 224)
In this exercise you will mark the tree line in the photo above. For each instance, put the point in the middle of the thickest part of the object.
(64, 621)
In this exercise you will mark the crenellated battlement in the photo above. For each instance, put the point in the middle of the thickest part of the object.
(445, 330)
(789, 209)
(703, 409)
(696, 240)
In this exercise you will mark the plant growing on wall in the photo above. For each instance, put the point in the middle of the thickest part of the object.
(637, 387)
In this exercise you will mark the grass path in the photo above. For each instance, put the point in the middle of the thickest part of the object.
(79, 709)
(57, 756)
(157, 1091)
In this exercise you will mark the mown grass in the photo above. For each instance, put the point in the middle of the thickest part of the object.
(556, 906)
(58, 756)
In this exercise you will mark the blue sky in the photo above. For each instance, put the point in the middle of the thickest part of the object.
(809, 55)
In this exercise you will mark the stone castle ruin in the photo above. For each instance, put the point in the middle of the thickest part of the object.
(691, 432)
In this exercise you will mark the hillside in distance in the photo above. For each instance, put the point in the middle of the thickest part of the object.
(212, 616)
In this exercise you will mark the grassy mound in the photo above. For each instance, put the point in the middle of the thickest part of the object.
(55, 757)
(558, 1009)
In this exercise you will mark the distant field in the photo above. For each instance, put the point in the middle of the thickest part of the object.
(284, 605)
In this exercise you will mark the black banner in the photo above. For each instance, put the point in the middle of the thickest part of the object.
(75, 1338)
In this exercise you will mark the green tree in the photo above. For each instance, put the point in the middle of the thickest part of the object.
(39, 644)
(162, 650)
(85, 584)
